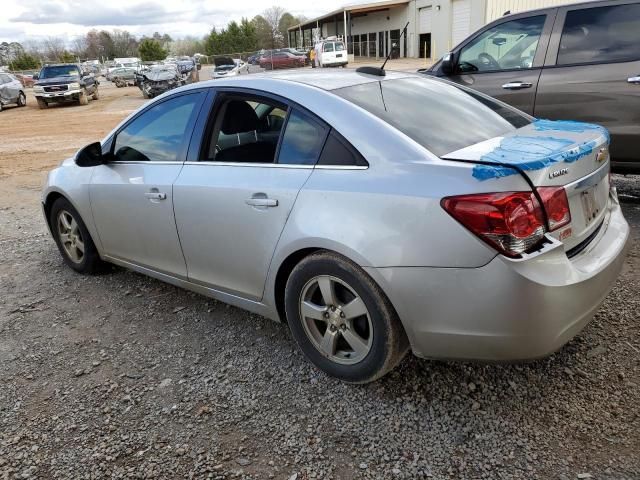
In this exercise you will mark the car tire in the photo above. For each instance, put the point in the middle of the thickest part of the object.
(96, 94)
(73, 239)
(353, 333)
(41, 103)
(22, 99)
(83, 99)
(1, 106)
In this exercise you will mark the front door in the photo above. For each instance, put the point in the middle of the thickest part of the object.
(232, 206)
(592, 73)
(132, 195)
(505, 60)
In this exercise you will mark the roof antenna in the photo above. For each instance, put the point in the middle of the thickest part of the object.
(380, 71)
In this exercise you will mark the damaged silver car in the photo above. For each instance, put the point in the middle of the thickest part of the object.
(11, 91)
(159, 79)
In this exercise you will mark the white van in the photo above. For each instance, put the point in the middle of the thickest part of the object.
(331, 53)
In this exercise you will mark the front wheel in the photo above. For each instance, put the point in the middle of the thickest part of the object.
(342, 320)
(83, 99)
(41, 103)
(96, 95)
(72, 238)
(22, 99)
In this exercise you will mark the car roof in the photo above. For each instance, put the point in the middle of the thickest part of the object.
(322, 79)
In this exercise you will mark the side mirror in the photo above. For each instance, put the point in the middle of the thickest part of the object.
(447, 64)
(36, 76)
(90, 156)
(499, 41)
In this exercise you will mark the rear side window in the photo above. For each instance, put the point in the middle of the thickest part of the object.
(600, 35)
(159, 133)
(439, 116)
(337, 151)
(328, 47)
(302, 141)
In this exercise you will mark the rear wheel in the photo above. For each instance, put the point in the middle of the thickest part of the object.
(83, 99)
(41, 103)
(342, 320)
(72, 237)
(22, 99)
(96, 94)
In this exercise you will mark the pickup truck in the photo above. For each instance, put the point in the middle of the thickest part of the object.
(575, 62)
(65, 82)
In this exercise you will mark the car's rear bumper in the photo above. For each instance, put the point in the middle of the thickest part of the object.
(508, 309)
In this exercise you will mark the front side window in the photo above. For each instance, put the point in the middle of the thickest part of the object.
(507, 46)
(600, 35)
(302, 141)
(439, 116)
(158, 134)
(4, 79)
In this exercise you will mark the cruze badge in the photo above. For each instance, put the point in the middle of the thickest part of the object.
(558, 173)
(603, 154)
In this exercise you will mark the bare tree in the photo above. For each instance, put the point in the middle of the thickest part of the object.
(55, 48)
(272, 16)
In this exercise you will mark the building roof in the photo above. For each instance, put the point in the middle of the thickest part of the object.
(355, 8)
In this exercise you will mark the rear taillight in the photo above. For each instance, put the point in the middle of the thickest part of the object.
(511, 222)
(556, 205)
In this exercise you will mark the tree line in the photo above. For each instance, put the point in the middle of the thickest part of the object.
(265, 31)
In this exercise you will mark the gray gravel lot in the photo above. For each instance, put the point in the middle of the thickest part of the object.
(122, 376)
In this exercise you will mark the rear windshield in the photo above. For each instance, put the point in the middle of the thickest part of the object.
(60, 71)
(441, 117)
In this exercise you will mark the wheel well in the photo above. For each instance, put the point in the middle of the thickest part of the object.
(51, 198)
(283, 275)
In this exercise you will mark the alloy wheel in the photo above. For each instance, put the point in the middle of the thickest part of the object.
(336, 320)
(70, 236)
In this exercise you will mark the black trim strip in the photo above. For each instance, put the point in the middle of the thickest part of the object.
(583, 244)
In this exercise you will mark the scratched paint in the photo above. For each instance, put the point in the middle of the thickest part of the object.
(537, 152)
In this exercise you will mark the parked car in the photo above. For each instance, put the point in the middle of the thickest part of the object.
(577, 62)
(391, 228)
(331, 53)
(228, 67)
(124, 76)
(159, 79)
(254, 59)
(64, 82)
(275, 60)
(11, 91)
(26, 79)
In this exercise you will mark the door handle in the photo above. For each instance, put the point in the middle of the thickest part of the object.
(156, 195)
(517, 85)
(261, 202)
(635, 79)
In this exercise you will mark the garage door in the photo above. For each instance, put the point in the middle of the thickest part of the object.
(425, 20)
(460, 21)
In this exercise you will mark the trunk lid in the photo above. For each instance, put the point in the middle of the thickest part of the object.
(572, 155)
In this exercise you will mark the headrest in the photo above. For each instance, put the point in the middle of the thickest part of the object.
(239, 117)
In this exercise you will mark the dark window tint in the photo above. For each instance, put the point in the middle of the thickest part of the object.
(159, 133)
(441, 117)
(603, 34)
(337, 151)
(302, 141)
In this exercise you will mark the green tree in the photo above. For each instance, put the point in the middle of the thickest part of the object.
(264, 34)
(151, 50)
(66, 57)
(24, 61)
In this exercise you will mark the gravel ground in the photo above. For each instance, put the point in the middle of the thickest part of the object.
(122, 376)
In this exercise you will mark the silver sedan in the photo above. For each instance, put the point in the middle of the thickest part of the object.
(373, 214)
(11, 91)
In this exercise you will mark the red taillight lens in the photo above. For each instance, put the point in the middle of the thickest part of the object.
(511, 222)
(556, 205)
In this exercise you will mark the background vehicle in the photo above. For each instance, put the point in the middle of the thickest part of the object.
(228, 67)
(577, 62)
(124, 76)
(11, 91)
(274, 60)
(26, 79)
(159, 79)
(64, 82)
(331, 53)
(379, 235)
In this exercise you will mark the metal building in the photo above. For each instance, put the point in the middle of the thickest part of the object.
(435, 26)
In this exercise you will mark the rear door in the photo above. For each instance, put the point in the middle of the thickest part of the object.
(592, 72)
(9, 89)
(505, 59)
(232, 201)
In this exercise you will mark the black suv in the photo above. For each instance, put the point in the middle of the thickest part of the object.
(64, 82)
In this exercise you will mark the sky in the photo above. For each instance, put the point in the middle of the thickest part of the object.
(21, 20)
